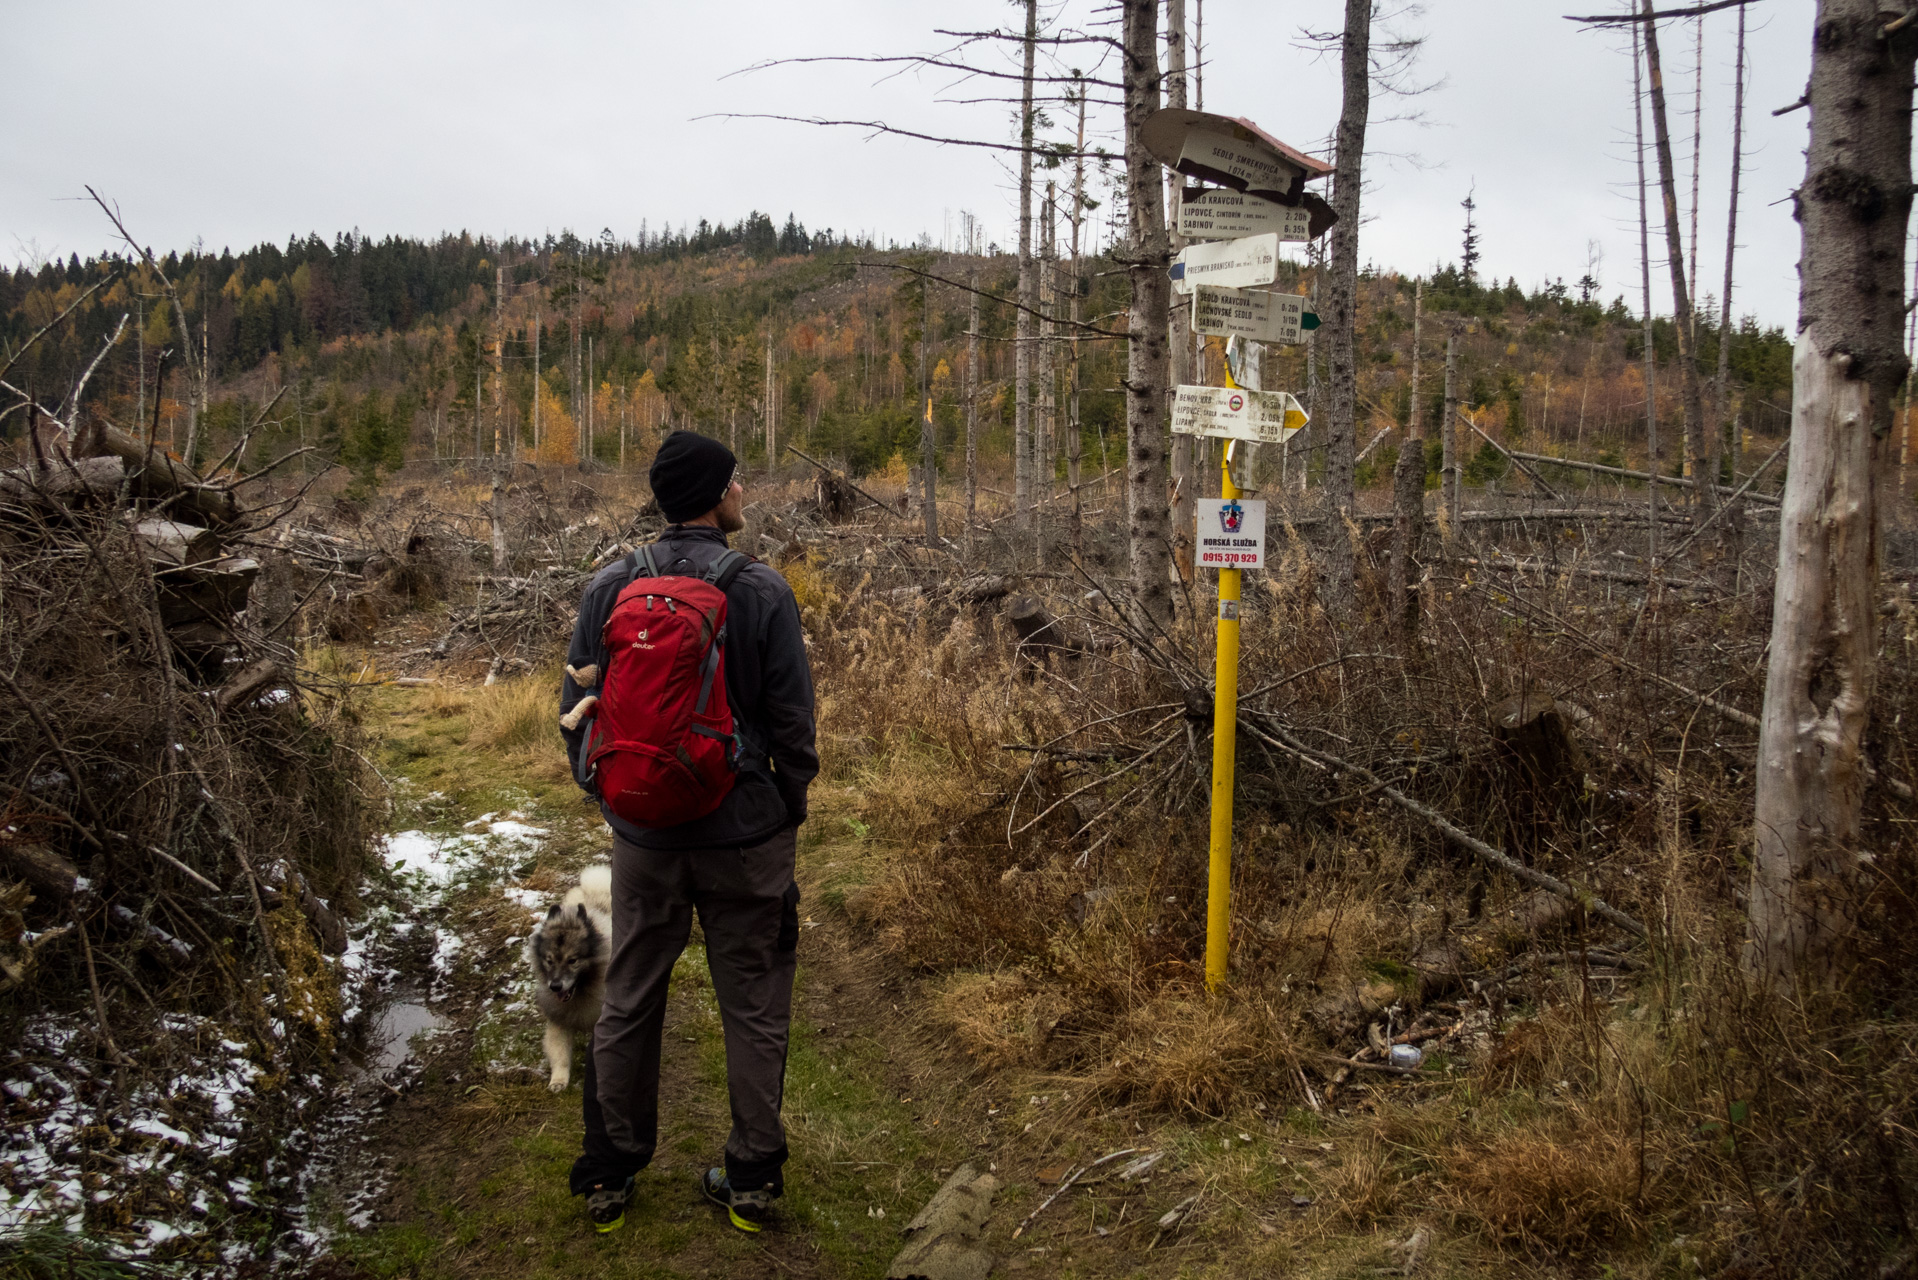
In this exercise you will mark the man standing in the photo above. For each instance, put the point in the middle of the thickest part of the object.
(733, 866)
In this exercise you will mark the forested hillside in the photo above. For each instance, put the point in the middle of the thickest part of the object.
(386, 348)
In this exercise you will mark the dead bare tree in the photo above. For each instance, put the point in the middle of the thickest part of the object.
(1342, 291)
(196, 368)
(1722, 384)
(928, 430)
(1185, 489)
(1408, 488)
(1147, 256)
(1448, 437)
(1682, 306)
(1022, 468)
(1812, 771)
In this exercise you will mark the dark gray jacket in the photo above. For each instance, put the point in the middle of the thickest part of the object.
(768, 686)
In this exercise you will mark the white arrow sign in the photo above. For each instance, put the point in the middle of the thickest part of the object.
(1251, 313)
(1244, 263)
(1228, 215)
(1262, 417)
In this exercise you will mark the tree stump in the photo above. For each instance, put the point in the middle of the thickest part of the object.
(1040, 632)
(1541, 768)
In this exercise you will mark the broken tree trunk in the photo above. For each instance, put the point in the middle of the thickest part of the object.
(1849, 360)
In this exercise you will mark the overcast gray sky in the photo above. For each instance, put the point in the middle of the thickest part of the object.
(234, 123)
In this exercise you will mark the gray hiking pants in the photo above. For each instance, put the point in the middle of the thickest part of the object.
(748, 910)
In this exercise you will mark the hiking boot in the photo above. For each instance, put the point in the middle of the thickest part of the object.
(606, 1206)
(747, 1210)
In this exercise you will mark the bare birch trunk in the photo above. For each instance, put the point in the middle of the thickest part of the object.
(1045, 450)
(1149, 550)
(1073, 441)
(1028, 294)
(498, 505)
(1185, 488)
(971, 407)
(1341, 321)
(1448, 441)
(972, 402)
(928, 432)
(1645, 277)
(1683, 313)
(1853, 207)
(1723, 419)
(1408, 491)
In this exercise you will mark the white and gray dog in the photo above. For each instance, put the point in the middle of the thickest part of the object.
(568, 953)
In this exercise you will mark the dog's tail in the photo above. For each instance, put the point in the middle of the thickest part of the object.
(596, 887)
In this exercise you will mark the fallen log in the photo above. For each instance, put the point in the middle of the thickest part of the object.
(172, 543)
(68, 482)
(162, 476)
(1624, 474)
(42, 868)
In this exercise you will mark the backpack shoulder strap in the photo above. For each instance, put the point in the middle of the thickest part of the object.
(643, 556)
(729, 566)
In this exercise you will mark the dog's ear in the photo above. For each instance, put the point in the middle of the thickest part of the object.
(552, 912)
(581, 908)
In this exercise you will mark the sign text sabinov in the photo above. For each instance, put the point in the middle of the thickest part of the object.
(1231, 533)
(1232, 413)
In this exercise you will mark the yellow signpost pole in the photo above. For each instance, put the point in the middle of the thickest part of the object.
(1225, 739)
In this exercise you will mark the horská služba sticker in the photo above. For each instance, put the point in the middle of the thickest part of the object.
(1231, 533)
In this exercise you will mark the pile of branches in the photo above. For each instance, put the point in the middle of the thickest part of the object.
(185, 823)
(523, 609)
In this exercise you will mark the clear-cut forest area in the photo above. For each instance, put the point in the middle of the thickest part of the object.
(1509, 871)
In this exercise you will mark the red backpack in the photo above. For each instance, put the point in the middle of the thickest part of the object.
(661, 749)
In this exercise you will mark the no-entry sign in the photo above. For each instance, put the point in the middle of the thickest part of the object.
(1231, 533)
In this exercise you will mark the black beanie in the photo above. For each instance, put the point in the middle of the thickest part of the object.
(690, 475)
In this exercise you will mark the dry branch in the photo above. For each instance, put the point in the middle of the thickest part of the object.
(1260, 723)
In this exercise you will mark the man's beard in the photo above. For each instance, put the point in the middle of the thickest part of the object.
(731, 523)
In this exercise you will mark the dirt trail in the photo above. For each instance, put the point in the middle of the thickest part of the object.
(464, 1170)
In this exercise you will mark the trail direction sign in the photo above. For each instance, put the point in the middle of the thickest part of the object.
(1215, 214)
(1232, 152)
(1231, 413)
(1250, 313)
(1234, 264)
(1231, 534)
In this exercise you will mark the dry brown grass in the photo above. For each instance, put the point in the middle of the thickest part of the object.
(1589, 1116)
(1580, 1117)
